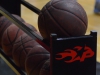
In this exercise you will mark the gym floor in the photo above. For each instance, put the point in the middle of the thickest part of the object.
(32, 18)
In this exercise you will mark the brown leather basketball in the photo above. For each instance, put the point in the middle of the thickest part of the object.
(66, 18)
(9, 37)
(4, 23)
(45, 70)
(35, 60)
(21, 47)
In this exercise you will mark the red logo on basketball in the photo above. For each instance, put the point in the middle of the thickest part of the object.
(73, 54)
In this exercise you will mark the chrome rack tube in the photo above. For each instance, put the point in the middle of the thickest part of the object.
(30, 6)
(11, 62)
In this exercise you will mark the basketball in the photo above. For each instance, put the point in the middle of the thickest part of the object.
(45, 70)
(9, 37)
(35, 60)
(4, 23)
(21, 47)
(66, 18)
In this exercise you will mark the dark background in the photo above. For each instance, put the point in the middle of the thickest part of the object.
(6, 70)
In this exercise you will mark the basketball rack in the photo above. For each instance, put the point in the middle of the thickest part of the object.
(57, 45)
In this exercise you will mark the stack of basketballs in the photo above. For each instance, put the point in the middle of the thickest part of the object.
(64, 17)
(27, 54)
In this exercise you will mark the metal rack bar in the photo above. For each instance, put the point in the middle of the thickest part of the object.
(12, 63)
(30, 6)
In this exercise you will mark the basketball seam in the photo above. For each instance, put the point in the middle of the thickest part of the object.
(46, 66)
(21, 53)
(21, 44)
(8, 38)
(16, 42)
(19, 41)
(44, 24)
(65, 10)
(7, 51)
(37, 65)
(19, 47)
(16, 35)
(71, 13)
(11, 42)
(58, 23)
(24, 49)
(86, 16)
(55, 2)
(59, 1)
